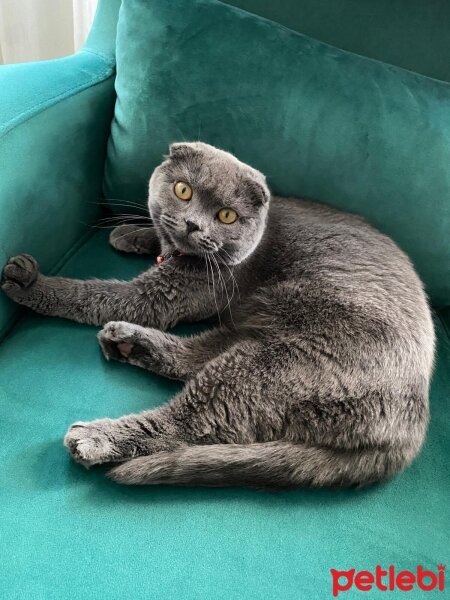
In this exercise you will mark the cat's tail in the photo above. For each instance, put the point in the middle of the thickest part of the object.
(262, 465)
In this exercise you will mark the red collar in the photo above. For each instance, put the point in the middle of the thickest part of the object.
(161, 258)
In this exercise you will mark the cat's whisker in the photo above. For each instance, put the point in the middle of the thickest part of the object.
(225, 252)
(128, 233)
(134, 215)
(140, 209)
(230, 299)
(113, 219)
(233, 280)
(227, 255)
(219, 312)
(235, 283)
(168, 222)
(207, 273)
(118, 202)
(214, 288)
(219, 276)
(100, 226)
(222, 280)
(128, 216)
(235, 286)
(123, 217)
(115, 226)
(117, 221)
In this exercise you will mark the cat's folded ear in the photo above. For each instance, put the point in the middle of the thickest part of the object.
(257, 190)
(180, 149)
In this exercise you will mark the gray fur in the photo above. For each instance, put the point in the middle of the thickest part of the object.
(317, 372)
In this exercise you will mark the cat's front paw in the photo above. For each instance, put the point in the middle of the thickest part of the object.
(19, 274)
(117, 340)
(89, 443)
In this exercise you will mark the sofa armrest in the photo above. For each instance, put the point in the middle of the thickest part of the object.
(54, 124)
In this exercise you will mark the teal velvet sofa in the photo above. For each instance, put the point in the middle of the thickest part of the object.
(67, 532)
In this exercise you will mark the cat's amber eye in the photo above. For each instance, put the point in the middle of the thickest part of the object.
(227, 216)
(182, 190)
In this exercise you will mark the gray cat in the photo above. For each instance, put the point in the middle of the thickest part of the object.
(317, 371)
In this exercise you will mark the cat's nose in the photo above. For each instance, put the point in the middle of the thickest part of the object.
(191, 226)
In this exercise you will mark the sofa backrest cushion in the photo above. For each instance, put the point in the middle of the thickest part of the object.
(320, 122)
(408, 33)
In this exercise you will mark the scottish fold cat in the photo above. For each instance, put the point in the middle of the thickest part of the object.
(316, 372)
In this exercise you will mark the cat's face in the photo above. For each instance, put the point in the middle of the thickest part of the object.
(204, 201)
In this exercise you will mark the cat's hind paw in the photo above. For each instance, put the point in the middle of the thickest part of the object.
(129, 238)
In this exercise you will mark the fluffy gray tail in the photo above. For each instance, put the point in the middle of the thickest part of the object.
(261, 465)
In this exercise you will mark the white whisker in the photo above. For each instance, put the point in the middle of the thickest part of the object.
(207, 272)
(129, 232)
(228, 305)
(130, 203)
(230, 270)
(214, 288)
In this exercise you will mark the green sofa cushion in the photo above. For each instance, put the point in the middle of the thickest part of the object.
(70, 533)
(406, 33)
(320, 122)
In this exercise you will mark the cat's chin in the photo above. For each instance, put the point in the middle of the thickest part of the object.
(184, 248)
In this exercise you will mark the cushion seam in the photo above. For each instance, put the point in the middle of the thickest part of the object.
(106, 57)
(42, 106)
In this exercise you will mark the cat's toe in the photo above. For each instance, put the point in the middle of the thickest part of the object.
(89, 445)
(19, 273)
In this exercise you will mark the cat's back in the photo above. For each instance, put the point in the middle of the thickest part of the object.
(327, 265)
(313, 227)
(313, 240)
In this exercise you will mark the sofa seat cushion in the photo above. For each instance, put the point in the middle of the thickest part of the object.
(64, 528)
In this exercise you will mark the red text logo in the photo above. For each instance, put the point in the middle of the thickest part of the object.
(388, 580)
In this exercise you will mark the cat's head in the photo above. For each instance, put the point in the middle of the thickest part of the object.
(205, 201)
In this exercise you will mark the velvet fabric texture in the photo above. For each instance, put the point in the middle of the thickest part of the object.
(67, 532)
(406, 33)
(54, 122)
(320, 122)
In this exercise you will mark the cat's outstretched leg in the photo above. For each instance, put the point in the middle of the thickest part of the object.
(220, 404)
(93, 301)
(159, 297)
(163, 353)
(136, 239)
